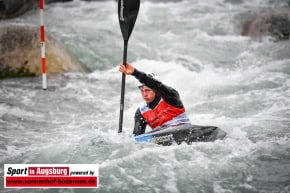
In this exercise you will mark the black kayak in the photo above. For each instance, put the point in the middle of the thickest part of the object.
(184, 133)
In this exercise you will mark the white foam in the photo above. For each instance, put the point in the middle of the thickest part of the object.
(18, 112)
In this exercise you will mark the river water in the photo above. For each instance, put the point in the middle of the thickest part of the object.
(234, 82)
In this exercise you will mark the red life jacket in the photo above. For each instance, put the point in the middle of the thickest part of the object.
(163, 114)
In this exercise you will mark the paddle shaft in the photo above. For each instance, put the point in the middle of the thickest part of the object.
(127, 14)
(123, 87)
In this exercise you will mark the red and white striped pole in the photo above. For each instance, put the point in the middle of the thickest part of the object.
(42, 45)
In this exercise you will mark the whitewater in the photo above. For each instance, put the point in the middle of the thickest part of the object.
(237, 83)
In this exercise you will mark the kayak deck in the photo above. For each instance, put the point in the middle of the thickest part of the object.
(184, 133)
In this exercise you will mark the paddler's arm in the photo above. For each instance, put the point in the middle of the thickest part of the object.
(140, 123)
(169, 94)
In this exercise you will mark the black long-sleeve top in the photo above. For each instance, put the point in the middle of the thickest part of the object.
(169, 95)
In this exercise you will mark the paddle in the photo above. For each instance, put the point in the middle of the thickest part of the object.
(127, 13)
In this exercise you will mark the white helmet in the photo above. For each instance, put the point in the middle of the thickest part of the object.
(151, 75)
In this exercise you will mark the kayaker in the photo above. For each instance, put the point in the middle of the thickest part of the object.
(163, 107)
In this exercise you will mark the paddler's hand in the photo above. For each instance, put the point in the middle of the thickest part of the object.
(128, 69)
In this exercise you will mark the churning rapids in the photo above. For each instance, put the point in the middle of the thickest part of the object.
(236, 83)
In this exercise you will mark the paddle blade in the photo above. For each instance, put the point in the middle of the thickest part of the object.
(127, 12)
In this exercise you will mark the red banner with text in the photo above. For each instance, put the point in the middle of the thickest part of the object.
(51, 176)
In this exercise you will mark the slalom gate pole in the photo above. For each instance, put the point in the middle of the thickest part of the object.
(42, 45)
